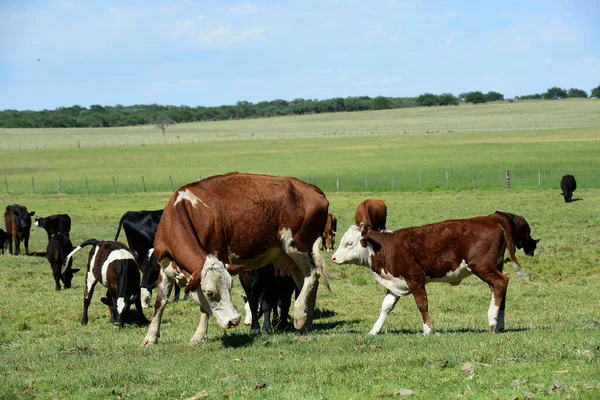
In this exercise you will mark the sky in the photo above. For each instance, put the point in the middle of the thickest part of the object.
(58, 53)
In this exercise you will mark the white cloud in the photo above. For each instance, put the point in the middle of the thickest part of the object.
(196, 84)
(199, 30)
(558, 31)
(243, 9)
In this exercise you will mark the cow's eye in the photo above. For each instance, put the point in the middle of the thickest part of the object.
(348, 244)
(210, 293)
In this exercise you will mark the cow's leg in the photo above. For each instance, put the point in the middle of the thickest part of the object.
(26, 244)
(201, 334)
(87, 296)
(388, 304)
(305, 303)
(498, 283)
(142, 320)
(417, 288)
(163, 290)
(17, 246)
(176, 294)
(56, 275)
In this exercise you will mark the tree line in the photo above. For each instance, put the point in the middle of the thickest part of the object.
(110, 116)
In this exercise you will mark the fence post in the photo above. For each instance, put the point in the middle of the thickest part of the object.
(199, 178)
(6, 184)
(393, 182)
(59, 181)
(366, 184)
(32, 186)
(144, 183)
(447, 180)
(539, 178)
(114, 186)
(507, 179)
(337, 183)
(473, 173)
(420, 183)
(87, 188)
(171, 180)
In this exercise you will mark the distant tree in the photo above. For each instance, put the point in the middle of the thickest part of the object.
(555, 93)
(596, 92)
(494, 96)
(475, 97)
(380, 103)
(163, 124)
(427, 100)
(447, 99)
(577, 93)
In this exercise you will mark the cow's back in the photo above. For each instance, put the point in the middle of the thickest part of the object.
(372, 212)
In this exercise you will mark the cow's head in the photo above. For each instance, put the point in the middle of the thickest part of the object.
(354, 247)
(22, 219)
(215, 293)
(67, 275)
(530, 245)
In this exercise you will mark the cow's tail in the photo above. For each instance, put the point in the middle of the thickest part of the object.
(120, 225)
(320, 262)
(506, 228)
(81, 246)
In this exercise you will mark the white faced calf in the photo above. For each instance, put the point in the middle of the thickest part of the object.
(113, 265)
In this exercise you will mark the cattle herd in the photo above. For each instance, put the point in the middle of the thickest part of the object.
(270, 231)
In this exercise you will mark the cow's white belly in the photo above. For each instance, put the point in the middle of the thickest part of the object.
(454, 277)
(396, 285)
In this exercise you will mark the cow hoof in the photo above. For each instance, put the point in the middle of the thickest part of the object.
(195, 342)
(149, 342)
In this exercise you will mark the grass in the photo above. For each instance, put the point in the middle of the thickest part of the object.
(551, 347)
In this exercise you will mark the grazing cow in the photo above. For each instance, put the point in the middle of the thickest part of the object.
(113, 265)
(246, 221)
(54, 224)
(568, 186)
(521, 233)
(329, 233)
(56, 252)
(140, 230)
(18, 226)
(405, 260)
(372, 212)
(4, 239)
(267, 292)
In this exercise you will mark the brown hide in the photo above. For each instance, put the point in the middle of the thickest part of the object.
(238, 218)
(372, 212)
(330, 231)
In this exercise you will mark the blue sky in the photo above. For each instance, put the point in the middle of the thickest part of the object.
(211, 53)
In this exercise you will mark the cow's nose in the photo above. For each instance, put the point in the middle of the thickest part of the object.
(333, 258)
(234, 322)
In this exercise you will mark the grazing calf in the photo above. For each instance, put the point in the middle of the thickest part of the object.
(329, 233)
(266, 291)
(568, 186)
(18, 226)
(54, 224)
(113, 265)
(4, 240)
(521, 233)
(371, 212)
(58, 248)
(405, 260)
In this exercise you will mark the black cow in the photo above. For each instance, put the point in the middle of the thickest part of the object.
(4, 239)
(54, 224)
(568, 186)
(521, 233)
(267, 292)
(140, 230)
(58, 248)
(18, 226)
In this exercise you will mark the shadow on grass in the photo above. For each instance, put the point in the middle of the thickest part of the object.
(37, 254)
(455, 330)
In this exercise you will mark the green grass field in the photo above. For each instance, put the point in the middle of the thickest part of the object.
(552, 344)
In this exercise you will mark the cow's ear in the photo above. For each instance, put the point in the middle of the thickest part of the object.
(234, 269)
(363, 242)
(32, 213)
(536, 240)
(365, 230)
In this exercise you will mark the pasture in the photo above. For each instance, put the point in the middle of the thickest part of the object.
(551, 346)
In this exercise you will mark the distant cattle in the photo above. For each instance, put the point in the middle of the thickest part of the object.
(237, 222)
(521, 233)
(54, 224)
(18, 227)
(266, 293)
(568, 186)
(58, 248)
(140, 229)
(114, 266)
(329, 233)
(405, 260)
(4, 240)
(371, 212)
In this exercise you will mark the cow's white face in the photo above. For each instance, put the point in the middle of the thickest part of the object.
(353, 249)
(215, 286)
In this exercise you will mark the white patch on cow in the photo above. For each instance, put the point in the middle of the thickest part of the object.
(189, 196)
(248, 319)
(91, 279)
(454, 277)
(120, 305)
(493, 314)
(286, 241)
(145, 296)
(150, 252)
(426, 329)
(36, 223)
(389, 301)
(114, 255)
(350, 250)
(396, 285)
(216, 279)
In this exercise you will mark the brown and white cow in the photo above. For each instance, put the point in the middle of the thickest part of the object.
(244, 222)
(405, 260)
(372, 212)
(114, 266)
(329, 233)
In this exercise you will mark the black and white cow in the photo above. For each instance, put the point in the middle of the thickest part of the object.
(54, 224)
(114, 266)
(58, 248)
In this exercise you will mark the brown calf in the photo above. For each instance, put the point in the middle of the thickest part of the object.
(371, 212)
(329, 233)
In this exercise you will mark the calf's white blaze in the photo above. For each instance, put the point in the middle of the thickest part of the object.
(189, 196)
(350, 250)
(121, 305)
(114, 255)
